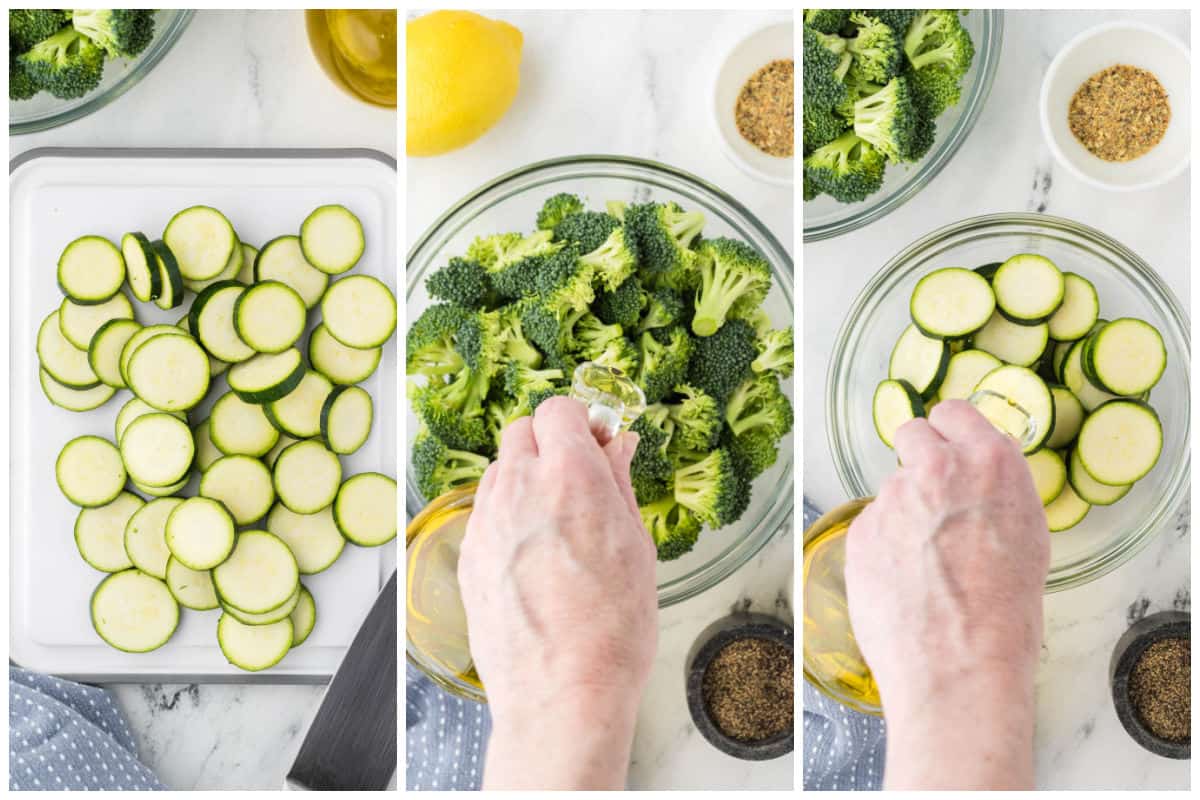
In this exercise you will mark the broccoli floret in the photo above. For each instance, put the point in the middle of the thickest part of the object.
(462, 282)
(564, 281)
(586, 229)
(776, 352)
(591, 336)
(651, 470)
(620, 354)
(822, 125)
(613, 261)
(513, 261)
(480, 342)
(121, 33)
(664, 232)
(811, 192)
(454, 412)
(551, 332)
(826, 62)
(440, 468)
(722, 361)
(697, 418)
(877, 52)
(754, 451)
(713, 489)
(898, 19)
(848, 169)
(825, 20)
(520, 380)
(934, 89)
(938, 37)
(67, 64)
(673, 528)
(430, 344)
(623, 305)
(857, 87)
(891, 121)
(515, 347)
(734, 279)
(20, 85)
(28, 26)
(663, 364)
(664, 308)
(556, 209)
(759, 403)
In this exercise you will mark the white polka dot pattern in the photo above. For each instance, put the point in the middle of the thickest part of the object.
(446, 738)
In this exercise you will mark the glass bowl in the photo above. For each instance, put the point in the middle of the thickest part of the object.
(44, 110)
(511, 203)
(825, 217)
(1127, 286)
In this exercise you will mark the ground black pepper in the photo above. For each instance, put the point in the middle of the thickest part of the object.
(1160, 689)
(766, 109)
(748, 689)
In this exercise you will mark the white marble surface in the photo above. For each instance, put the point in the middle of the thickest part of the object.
(639, 90)
(235, 79)
(1005, 166)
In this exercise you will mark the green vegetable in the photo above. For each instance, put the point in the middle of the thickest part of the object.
(67, 64)
(586, 229)
(28, 26)
(462, 282)
(848, 169)
(825, 20)
(776, 352)
(664, 232)
(121, 33)
(713, 488)
(722, 361)
(734, 279)
(20, 85)
(875, 49)
(440, 468)
(673, 528)
(623, 305)
(556, 209)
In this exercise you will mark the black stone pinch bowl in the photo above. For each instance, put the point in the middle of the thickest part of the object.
(1142, 634)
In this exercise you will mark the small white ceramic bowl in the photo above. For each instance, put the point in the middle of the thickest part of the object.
(1094, 50)
(745, 58)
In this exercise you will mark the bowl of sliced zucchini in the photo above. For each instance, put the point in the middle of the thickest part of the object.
(1061, 336)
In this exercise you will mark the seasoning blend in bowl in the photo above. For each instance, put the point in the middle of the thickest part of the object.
(1151, 683)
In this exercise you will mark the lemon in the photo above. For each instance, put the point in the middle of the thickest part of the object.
(463, 73)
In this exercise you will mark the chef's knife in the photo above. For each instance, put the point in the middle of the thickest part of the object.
(352, 741)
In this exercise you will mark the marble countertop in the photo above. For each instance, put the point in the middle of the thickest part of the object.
(235, 79)
(655, 110)
(1005, 166)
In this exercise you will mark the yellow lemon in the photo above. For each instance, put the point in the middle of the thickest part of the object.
(463, 73)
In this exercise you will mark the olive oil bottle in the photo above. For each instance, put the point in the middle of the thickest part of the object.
(357, 49)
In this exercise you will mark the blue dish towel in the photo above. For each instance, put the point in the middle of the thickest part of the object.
(445, 737)
(64, 735)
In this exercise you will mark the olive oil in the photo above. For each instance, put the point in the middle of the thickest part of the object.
(357, 50)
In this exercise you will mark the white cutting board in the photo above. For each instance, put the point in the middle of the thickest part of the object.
(58, 195)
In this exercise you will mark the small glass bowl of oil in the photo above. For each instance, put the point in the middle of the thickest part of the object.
(356, 48)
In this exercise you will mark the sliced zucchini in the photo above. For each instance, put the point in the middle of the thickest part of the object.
(141, 267)
(1029, 289)
(1072, 376)
(1061, 349)
(1020, 386)
(233, 268)
(270, 316)
(365, 509)
(202, 240)
(307, 477)
(134, 612)
(346, 419)
(171, 294)
(298, 413)
(200, 533)
(284, 443)
(1067, 510)
(191, 588)
(314, 539)
(104, 353)
(1125, 357)
(249, 256)
(332, 239)
(282, 260)
(920, 361)
(211, 318)
(133, 409)
(206, 451)
(65, 362)
(1090, 489)
(1049, 474)
(951, 303)
(79, 323)
(259, 575)
(138, 339)
(157, 449)
(274, 615)
(162, 491)
(1068, 417)
(1120, 442)
(89, 471)
(100, 533)
(243, 484)
(90, 270)
(240, 428)
(964, 372)
(145, 536)
(253, 647)
(1020, 345)
(215, 365)
(342, 365)
(169, 372)
(359, 311)
(895, 403)
(74, 399)
(1079, 310)
(304, 617)
(267, 376)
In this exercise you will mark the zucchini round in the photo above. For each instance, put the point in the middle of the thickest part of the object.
(202, 239)
(157, 449)
(340, 364)
(200, 533)
(346, 419)
(282, 260)
(243, 484)
(134, 612)
(359, 311)
(141, 267)
(90, 471)
(191, 588)
(145, 536)
(253, 647)
(260, 574)
(240, 428)
(90, 270)
(270, 317)
(951, 303)
(314, 539)
(331, 239)
(100, 533)
(365, 509)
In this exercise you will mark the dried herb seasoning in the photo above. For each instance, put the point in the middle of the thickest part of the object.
(766, 109)
(1160, 689)
(748, 689)
(1119, 113)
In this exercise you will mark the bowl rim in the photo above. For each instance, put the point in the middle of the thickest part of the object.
(1179, 490)
(1052, 73)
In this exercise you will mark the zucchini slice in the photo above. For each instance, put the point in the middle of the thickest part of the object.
(895, 403)
(249, 256)
(1061, 349)
(79, 323)
(282, 260)
(202, 239)
(951, 303)
(1125, 357)
(171, 294)
(157, 449)
(267, 376)
(1068, 417)
(1049, 474)
(346, 419)
(332, 239)
(145, 536)
(133, 409)
(1120, 442)
(65, 362)
(215, 365)
(274, 615)
(1020, 386)
(233, 268)
(359, 311)
(90, 270)
(141, 267)
(1029, 289)
(104, 353)
(298, 413)
(200, 533)
(162, 491)
(211, 320)
(365, 509)
(1073, 378)
(1090, 489)
(270, 317)
(206, 451)
(89, 471)
(1020, 345)
(1067, 510)
(254, 647)
(307, 477)
(284, 443)
(169, 372)
(314, 539)
(304, 617)
(920, 361)
(134, 612)
(243, 484)
(100, 533)
(74, 399)
(191, 588)
(1079, 310)
(260, 574)
(138, 339)
(240, 428)
(342, 365)
(964, 372)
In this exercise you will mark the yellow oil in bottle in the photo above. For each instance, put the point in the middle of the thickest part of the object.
(357, 49)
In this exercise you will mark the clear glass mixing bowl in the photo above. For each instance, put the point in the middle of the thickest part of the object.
(1127, 286)
(825, 217)
(511, 203)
